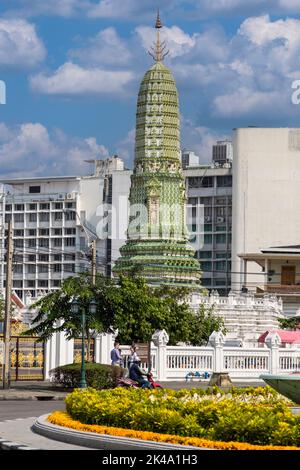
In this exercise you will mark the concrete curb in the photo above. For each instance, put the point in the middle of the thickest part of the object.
(99, 441)
(28, 397)
(9, 445)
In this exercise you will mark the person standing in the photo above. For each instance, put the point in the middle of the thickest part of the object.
(115, 355)
(133, 357)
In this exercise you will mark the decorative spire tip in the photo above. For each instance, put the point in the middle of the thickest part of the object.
(159, 50)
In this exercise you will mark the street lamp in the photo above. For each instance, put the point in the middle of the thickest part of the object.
(75, 307)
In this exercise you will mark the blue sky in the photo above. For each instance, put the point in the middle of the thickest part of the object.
(73, 68)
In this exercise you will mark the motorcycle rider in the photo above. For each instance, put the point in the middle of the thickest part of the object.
(137, 374)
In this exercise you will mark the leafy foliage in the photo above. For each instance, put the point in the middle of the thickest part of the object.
(259, 417)
(98, 376)
(129, 305)
(292, 323)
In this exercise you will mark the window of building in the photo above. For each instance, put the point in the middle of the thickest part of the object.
(32, 243)
(8, 217)
(206, 201)
(204, 254)
(17, 283)
(44, 242)
(44, 217)
(224, 181)
(220, 266)
(43, 268)
(31, 283)
(207, 238)
(31, 232)
(8, 207)
(57, 242)
(70, 215)
(19, 207)
(69, 257)
(221, 211)
(208, 228)
(57, 257)
(58, 205)
(31, 258)
(34, 189)
(42, 283)
(57, 231)
(221, 238)
(19, 218)
(70, 241)
(33, 217)
(43, 257)
(206, 281)
(220, 282)
(221, 228)
(220, 201)
(19, 233)
(44, 206)
(70, 205)
(57, 268)
(192, 201)
(18, 243)
(221, 255)
(32, 207)
(206, 265)
(70, 231)
(56, 283)
(44, 232)
(69, 268)
(58, 215)
(18, 268)
(200, 182)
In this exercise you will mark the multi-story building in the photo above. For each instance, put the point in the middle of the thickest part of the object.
(54, 221)
(266, 225)
(211, 187)
(222, 152)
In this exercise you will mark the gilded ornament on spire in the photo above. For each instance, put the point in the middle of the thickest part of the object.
(159, 49)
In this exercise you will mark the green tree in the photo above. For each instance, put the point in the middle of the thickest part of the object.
(55, 314)
(204, 323)
(2, 308)
(292, 323)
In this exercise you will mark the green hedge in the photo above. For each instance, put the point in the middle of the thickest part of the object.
(260, 417)
(98, 376)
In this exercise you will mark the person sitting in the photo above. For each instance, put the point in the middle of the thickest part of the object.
(133, 356)
(137, 374)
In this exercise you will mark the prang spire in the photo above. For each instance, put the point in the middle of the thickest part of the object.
(159, 49)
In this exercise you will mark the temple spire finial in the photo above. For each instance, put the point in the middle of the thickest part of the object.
(159, 49)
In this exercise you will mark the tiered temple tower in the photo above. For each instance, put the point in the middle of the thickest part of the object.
(157, 246)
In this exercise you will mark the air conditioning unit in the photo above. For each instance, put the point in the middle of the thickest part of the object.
(207, 219)
(220, 219)
(71, 195)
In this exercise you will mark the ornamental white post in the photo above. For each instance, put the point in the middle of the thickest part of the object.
(217, 341)
(160, 339)
(273, 342)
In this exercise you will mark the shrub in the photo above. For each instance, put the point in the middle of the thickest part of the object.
(98, 376)
(255, 418)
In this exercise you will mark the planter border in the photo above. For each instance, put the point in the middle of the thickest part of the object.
(100, 441)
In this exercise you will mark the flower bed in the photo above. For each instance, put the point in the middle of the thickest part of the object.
(252, 416)
(63, 419)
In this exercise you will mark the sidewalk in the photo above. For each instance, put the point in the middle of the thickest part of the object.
(44, 390)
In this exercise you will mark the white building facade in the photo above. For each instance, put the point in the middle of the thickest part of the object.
(266, 196)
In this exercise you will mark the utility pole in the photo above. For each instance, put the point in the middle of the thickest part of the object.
(8, 289)
(94, 261)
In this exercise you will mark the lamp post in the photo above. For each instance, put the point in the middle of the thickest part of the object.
(75, 306)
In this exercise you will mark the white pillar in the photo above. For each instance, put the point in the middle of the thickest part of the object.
(217, 341)
(273, 341)
(160, 339)
(50, 356)
(104, 343)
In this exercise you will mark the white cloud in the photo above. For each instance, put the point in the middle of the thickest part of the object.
(125, 148)
(200, 139)
(20, 44)
(104, 48)
(72, 79)
(31, 150)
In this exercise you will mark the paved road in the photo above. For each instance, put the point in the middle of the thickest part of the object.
(24, 409)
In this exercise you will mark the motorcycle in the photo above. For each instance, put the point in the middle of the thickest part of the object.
(126, 382)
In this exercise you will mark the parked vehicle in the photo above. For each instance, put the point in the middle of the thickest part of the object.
(126, 382)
